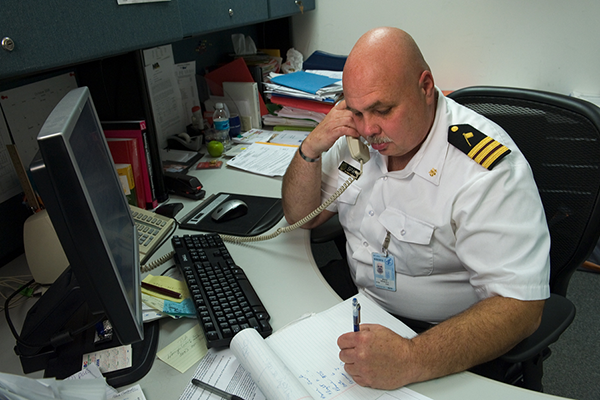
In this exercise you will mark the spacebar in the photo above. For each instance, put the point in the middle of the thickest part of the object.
(250, 293)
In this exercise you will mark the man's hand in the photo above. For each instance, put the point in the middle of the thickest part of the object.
(337, 123)
(377, 357)
(301, 187)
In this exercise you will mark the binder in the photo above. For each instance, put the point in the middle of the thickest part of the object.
(235, 71)
(327, 61)
(245, 91)
(127, 182)
(137, 130)
(125, 151)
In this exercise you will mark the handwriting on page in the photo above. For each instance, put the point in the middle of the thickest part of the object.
(326, 384)
(186, 350)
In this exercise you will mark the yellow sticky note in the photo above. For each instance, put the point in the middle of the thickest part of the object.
(186, 350)
(166, 282)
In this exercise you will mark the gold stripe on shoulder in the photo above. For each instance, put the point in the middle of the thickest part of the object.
(481, 148)
(477, 149)
(496, 156)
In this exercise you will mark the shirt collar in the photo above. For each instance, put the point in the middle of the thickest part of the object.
(429, 161)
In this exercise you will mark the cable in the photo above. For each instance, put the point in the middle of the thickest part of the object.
(243, 239)
(6, 307)
(161, 260)
(12, 283)
(157, 263)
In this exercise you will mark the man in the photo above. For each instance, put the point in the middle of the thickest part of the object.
(463, 230)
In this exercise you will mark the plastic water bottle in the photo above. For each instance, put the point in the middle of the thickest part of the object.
(221, 124)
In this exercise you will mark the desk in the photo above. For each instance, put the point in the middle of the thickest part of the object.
(284, 274)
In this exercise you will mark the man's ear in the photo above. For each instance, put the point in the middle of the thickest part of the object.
(427, 84)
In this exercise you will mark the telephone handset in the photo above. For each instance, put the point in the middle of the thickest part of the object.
(358, 150)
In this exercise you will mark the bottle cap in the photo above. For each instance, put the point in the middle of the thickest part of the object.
(219, 105)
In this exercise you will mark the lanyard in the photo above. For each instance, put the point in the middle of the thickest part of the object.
(386, 243)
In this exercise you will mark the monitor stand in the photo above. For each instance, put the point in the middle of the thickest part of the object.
(63, 308)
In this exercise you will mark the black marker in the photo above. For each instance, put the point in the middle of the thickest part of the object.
(217, 391)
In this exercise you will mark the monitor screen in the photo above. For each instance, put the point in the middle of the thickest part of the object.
(78, 183)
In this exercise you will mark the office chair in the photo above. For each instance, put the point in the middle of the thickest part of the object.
(560, 137)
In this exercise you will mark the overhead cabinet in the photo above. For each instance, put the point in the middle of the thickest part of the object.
(39, 35)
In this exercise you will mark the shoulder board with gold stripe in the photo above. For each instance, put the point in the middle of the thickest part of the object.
(481, 148)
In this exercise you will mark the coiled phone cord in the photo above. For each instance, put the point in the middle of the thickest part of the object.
(338, 193)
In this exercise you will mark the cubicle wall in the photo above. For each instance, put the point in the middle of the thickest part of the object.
(118, 89)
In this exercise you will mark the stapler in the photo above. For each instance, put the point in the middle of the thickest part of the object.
(184, 185)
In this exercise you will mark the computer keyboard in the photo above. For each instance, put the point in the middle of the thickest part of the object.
(152, 228)
(224, 298)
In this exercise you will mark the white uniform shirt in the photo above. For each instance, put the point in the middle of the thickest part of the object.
(459, 232)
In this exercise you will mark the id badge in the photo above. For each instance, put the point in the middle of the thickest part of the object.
(384, 271)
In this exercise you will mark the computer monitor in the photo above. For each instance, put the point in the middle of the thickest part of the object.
(77, 181)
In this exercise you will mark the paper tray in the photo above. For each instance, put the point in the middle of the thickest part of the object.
(263, 214)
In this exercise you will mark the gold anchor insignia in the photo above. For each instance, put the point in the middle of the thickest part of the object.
(432, 172)
(468, 136)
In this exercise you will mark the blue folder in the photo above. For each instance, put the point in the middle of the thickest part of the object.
(304, 81)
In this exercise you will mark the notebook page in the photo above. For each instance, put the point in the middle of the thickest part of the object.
(309, 349)
(268, 372)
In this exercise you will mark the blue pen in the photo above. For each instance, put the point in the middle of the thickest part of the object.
(356, 314)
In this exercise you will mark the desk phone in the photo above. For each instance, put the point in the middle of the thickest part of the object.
(152, 229)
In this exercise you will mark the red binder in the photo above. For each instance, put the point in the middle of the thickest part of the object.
(136, 130)
(125, 151)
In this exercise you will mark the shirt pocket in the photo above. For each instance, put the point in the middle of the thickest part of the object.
(410, 242)
(349, 196)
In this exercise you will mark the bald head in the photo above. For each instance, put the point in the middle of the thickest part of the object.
(390, 91)
(386, 50)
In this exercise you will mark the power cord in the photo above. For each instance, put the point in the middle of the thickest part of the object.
(13, 282)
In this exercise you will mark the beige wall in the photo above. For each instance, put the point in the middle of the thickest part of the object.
(549, 45)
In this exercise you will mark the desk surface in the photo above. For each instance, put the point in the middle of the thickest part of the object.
(284, 274)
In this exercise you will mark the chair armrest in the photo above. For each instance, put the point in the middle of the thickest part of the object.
(558, 314)
(327, 231)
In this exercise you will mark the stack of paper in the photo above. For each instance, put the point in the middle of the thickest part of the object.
(269, 153)
(291, 116)
(300, 92)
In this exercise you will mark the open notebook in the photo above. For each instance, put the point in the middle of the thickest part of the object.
(302, 361)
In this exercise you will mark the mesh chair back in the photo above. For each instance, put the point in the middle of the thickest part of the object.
(560, 137)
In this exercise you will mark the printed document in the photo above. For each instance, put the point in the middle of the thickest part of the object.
(264, 159)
